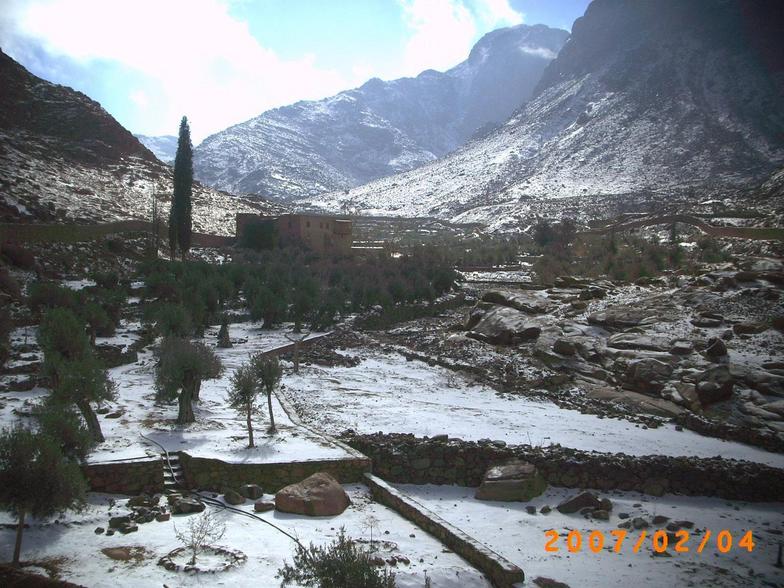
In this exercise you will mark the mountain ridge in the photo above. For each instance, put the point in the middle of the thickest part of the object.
(381, 127)
(645, 97)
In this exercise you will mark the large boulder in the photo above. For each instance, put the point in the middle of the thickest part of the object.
(503, 325)
(526, 302)
(251, 491)
(647, 375)
(639, 341)
(579, 502)
(715, 385)
(187, 506)
(318, 495)
(715, 349)
(622, 318)
(512, 481)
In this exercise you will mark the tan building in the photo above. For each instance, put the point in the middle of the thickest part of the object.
(324, 234)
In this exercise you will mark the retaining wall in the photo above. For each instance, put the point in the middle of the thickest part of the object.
(216, 475)
(405, 459)
(501, 572)
(125, 477)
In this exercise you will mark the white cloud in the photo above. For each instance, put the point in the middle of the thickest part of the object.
(204, 62)
(442, 32)
(196, 59)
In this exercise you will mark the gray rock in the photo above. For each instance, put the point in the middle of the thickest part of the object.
(187, 506)
(526, 302)
(647, 375)
(233, 497)
(512, 481)
(251, 491)
(715, 348)
(578, 502)
(505, 326)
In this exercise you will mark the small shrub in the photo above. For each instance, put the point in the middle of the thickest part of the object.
(199, 533)
(43, 295)
(18, 256)
(172, 320)
(62, 333)
(5, 335)
(9, 285)
(341, 564)
(62, 424)
(106, 280)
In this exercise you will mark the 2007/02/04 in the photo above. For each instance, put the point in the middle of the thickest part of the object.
(660, 540)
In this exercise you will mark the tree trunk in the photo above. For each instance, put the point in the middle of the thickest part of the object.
(269, 406)
(18, 544)
(93, 426)
(296, 357)
(185, 414)
(197, 391)
(250, 427)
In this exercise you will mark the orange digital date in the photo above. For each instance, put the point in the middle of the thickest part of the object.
(595, 541)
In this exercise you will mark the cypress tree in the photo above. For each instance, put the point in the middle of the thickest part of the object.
(180, 222)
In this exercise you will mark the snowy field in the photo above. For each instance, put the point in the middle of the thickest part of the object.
(509, 530)
(218, 431)
(75, 544)
(390, 394)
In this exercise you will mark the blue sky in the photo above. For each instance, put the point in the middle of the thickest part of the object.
(148, 62)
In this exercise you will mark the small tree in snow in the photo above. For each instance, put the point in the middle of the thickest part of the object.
(267, 370)
(242, 395)
(224, 340)
(76, 375)
(35, 479)
(182, 366)
(201, 531)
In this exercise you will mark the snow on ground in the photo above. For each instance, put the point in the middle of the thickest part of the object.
(219, 432)
(509, 530)
(390, 394)
(74, 539)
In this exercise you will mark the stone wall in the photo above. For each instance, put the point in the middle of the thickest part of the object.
(403, 458)
(502, 572)
(125, 477)
(216, 475)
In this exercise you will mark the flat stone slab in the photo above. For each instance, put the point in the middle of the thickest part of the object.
(516, 481)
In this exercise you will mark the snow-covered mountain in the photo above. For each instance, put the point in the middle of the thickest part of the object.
(382, 127)
(164, 147)
(63, 158)
(647, 96)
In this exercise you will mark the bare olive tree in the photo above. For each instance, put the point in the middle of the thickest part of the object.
(200, 533)
(267, 370)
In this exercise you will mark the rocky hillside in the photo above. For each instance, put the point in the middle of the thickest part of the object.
(646, 97)
(164, 147)
(63, 158)
(380, 128)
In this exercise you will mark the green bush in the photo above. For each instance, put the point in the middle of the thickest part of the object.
(171, 320)
(43, 295)
(340, 564)
(5, 335)
(61, 423)
(62, 333)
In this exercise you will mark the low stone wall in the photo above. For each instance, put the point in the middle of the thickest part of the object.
(216, 475)
(403, 458)
(501, 572)
(125, 477)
